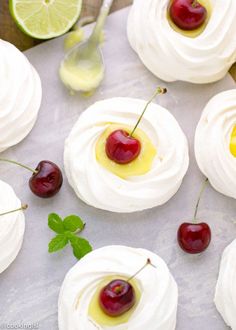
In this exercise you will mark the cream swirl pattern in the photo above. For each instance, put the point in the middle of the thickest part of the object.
(156, 309)
(212, 140)
(20, 95)
(12, 226)
(97, 186)
(225, 295)
(172, 56)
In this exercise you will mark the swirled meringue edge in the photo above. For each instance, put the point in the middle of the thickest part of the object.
(157, 308)
(111, 192)
(20, 97)
(225, 293)
(212, 138)
(12, 226)
(172, 56)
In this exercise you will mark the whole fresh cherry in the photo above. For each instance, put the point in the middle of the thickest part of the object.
(194, 237)
(47, 179)
(187, 14)
(121, 147)
(117, 297)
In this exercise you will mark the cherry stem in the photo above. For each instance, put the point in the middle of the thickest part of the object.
(22, 208)
(158, 91)
(118, 289)
(19, 164)
(148, 262)
(199, 198)
(195, 3)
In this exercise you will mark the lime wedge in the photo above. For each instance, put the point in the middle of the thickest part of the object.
(45, 19)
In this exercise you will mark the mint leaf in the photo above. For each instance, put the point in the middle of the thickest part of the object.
(66, 232)
(80, 246)
(56, 223)
(73, 223)
(58, 243)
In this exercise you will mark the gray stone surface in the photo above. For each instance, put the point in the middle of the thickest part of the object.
(29, 288)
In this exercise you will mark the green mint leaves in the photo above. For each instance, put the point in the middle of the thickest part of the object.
(66, 233)
(58, 243)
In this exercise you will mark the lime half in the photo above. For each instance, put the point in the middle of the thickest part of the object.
(45, 19)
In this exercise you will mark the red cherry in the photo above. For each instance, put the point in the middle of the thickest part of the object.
(121, 147)
(194, 237)
(47, 179)
(117, 297)
(187, 14)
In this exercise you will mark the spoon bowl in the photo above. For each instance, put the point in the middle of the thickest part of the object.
(82, 68)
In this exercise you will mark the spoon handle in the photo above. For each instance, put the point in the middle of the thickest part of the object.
(104, 11)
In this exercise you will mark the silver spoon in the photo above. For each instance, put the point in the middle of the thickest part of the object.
(82, 69)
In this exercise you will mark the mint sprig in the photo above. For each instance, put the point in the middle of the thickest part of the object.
(66, 231)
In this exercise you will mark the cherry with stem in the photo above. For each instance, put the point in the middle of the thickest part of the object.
(118, 296)
(194, 237)
(46, 179)
(121, 146)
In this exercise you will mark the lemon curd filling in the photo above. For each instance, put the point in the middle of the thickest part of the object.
(141, 165)
(194, 33)
(232, 144)
(96, 313)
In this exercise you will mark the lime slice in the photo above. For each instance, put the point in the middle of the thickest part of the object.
(45, 19)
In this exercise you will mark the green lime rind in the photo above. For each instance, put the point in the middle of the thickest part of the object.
(41, 19)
